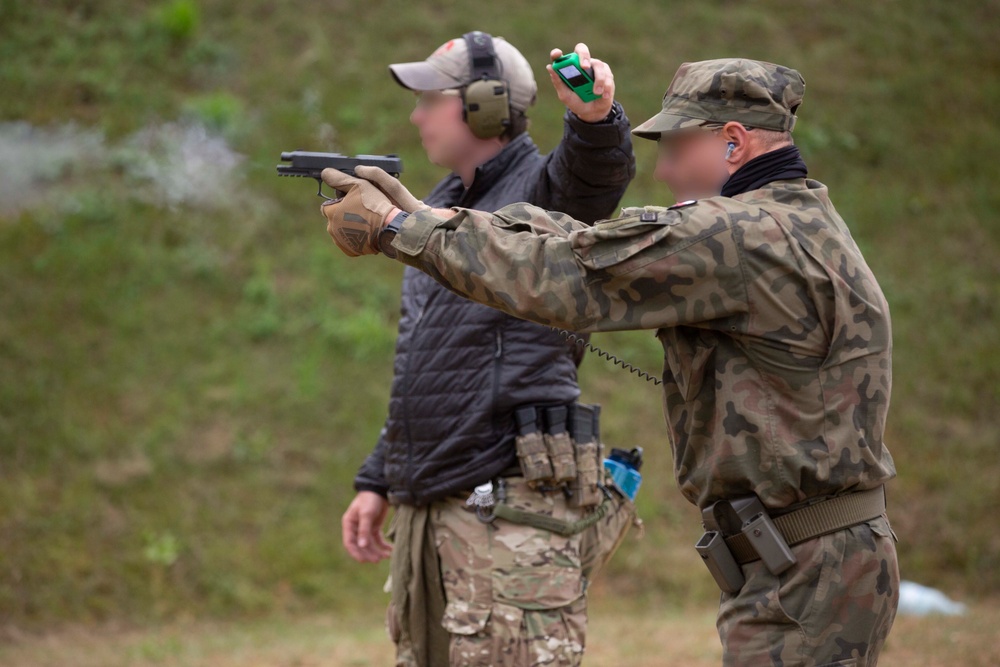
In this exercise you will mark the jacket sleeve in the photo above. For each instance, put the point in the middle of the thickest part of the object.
(371, 476)
(586, 175)
(647, 271)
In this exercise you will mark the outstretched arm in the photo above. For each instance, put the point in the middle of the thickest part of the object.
(658, 269)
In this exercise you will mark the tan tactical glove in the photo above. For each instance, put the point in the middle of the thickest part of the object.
(355, 220)
(392, 187)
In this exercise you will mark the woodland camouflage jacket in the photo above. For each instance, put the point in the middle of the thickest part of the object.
(776, 334)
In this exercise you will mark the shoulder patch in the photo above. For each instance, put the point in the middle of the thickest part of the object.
(639, 210)
(682, 204)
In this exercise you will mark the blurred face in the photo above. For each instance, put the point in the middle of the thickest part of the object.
(692, 162)
(443, 133)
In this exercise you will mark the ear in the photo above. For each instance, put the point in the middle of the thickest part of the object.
(738, 137)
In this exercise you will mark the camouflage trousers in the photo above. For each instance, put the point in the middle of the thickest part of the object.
(834, 608)
(515, 595)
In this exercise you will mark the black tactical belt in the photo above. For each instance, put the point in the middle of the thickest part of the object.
(816, 520)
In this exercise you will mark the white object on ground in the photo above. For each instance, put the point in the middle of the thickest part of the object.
(917, 600)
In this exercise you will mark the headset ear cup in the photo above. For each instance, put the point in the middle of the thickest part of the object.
(486, 107)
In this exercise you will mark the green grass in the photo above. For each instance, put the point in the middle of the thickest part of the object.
(619, 632)
(186, 390)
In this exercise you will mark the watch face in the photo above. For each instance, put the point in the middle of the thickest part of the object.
(385, 238)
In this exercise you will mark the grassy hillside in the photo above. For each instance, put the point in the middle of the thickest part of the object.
(190, 374)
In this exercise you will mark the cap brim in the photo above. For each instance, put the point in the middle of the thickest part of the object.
(666, 122)
(422, 76)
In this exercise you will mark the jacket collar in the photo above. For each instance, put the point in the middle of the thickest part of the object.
(490, 171)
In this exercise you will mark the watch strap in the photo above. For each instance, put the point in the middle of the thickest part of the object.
(384, 238)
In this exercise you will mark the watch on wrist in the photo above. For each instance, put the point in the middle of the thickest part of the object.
(389, 232)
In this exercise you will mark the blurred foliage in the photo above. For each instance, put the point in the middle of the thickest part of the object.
(221, 113)
(187, 389)
(178, 20)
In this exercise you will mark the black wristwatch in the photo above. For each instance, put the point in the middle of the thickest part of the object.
(389, 232)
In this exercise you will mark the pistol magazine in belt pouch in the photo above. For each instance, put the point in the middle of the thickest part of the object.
(748, 516)
(720, 562)
(586, 488)
(559, 445)
(531, 451)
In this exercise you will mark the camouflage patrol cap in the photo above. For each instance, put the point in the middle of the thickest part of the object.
(751, 92)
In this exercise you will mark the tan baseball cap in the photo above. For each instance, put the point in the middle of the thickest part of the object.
(751, 92)
(449, 67)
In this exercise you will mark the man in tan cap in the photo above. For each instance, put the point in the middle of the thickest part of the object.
(776, 338)
(468, 588)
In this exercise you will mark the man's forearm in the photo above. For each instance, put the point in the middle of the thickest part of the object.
(542, 279)
(644, 271)
(586, 175)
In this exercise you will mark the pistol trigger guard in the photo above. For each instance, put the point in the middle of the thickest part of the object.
(319, 191)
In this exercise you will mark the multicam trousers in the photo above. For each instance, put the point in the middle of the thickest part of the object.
(515, 594)
(833, 609)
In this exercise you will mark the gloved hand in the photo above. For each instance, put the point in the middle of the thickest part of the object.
(355, 220)
(393, 188)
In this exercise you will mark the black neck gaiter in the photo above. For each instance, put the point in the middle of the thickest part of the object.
(778, 165)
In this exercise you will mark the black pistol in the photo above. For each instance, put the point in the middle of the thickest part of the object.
(311, 165)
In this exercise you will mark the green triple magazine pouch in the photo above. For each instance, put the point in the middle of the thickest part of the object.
(566, 454)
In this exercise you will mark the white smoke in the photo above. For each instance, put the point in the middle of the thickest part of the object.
(35, 160)
(186, 165)
(171, 164)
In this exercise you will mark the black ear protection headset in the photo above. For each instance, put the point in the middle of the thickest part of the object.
(485, 101)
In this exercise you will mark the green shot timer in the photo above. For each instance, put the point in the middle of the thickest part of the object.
(576, 77)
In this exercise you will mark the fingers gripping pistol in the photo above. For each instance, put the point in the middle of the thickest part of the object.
(311, 165)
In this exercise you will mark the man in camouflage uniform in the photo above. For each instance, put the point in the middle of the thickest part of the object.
(776, 338)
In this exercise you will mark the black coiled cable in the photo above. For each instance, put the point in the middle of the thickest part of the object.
(580, 342)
